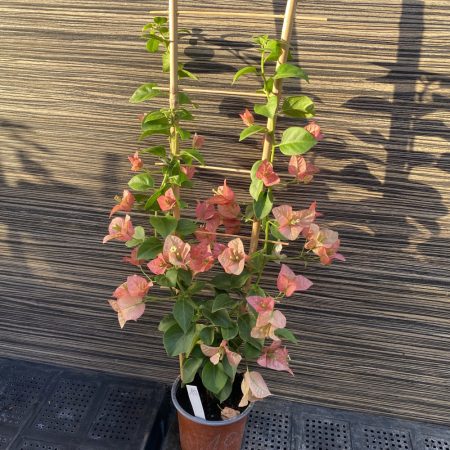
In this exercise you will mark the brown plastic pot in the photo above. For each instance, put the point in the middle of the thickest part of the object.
(201, 434)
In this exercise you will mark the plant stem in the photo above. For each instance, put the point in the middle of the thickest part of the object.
(173, 102)
(271, 123)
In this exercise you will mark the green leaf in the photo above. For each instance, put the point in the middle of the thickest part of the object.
(183, 313)
(190, 368)
(213, 377)
(185, 277)
(160, 126)
(296, 141)
(141, 182)
(207, 335)
(225, 392)
(184, 134)
(226, 281)
(172, 276)
(250, 351)
(244, 71)
(155, 115)
(152, 45)
(158, 151)
(139, 233)
(150, 248)
(176, 341)
(284, 333)
(256, 187)
(152, 200)
(219, 318)
(269, 109)
(299, 106)
(132, 243)
(230, 332)
(184, 114)
(186, 227)
(249, 131)
(166, 322)
(164, 225)
(228, 368)
(166, 61)
(275, 48)
(263, 205)
(194, 154)
(184, 99)
(183, 73)
(256, 290)
(223, 301)
(160, 20)
(287, 70)
(145, 92)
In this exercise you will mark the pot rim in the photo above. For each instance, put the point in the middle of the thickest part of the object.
(199, 420)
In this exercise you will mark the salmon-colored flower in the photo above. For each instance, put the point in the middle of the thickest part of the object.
(253, 388)
(247, 118)
(232, 226)
(204, 211)
(133, 259)
(215, 354)
(120, 229)
(261, 304)
(136, 162)
(204, 235)
(141, 117)
(314, 129)
(224, 195)
(167, 201)
(288, 282)
(130, 295)
(301, 169)
(126, 203)
(275, 357)
(202, 258)
(233, 257)
(324, 243)
(198, 141)
(267, 323)
(229, 211)
(218, 248)
(292, 223)
(189, 171)
(266, 173)
(159, 265)
(176, 251)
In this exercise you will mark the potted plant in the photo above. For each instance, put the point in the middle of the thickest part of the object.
(222, 321)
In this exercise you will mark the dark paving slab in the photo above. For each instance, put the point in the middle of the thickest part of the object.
(277, 424)
(54, 408)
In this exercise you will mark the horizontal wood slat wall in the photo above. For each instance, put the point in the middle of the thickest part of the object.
(374, 332)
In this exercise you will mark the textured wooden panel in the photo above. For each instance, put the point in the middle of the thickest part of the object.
(375, 332)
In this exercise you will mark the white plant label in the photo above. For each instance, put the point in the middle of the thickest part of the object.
(196, 402)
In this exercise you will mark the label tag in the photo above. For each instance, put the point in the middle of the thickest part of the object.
(196, 402)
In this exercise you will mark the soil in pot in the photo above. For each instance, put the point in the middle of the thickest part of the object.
(211, 404)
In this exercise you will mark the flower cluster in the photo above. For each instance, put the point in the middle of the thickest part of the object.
(222, 317)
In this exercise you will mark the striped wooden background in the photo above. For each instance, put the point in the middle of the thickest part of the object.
(374, 332)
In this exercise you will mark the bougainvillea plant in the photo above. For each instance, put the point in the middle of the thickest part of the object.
(221, 319)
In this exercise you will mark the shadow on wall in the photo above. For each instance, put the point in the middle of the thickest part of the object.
(407, 205)
(403, 205)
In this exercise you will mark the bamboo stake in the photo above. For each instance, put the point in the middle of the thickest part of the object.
(222, 169)
(226, 14)
(173, 103)
(243, 237)
(218, 91)
(286, 33)
(173, 88)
